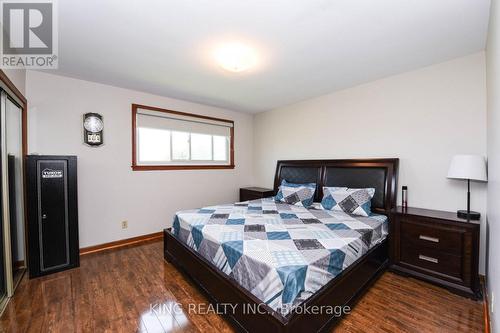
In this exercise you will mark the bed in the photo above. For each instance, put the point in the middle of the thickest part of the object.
(283, 267)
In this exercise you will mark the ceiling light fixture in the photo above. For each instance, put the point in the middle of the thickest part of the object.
(235, 56)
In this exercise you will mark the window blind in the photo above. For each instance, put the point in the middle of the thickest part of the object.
(173, 122)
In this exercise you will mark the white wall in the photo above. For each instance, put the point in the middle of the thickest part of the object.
(423, 117)
(108, 190)
(18, 77)
(493, 70)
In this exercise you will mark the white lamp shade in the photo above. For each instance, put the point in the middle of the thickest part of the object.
(471, 167)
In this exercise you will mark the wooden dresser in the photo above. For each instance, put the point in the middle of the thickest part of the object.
(252, 193)
(437, 247)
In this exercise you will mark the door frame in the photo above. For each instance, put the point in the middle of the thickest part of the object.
(14, 93)
(12, 89)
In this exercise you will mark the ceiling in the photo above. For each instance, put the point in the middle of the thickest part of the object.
(305, 48)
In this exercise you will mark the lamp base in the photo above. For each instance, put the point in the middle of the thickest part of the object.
(474, 216)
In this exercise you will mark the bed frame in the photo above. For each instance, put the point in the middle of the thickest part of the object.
(250, 314)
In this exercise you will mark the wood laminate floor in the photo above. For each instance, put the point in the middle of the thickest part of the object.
(134, 289)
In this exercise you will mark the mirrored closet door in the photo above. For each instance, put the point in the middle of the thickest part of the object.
(12, 243)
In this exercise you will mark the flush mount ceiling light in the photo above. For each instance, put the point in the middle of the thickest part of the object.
(235, 56)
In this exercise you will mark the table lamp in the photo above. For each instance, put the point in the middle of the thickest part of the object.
(468, 167)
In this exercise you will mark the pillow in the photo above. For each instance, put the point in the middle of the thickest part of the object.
(355, 201)
(296, 194)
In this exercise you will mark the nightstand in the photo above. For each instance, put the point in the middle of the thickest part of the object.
(252, 193)
(437, 247)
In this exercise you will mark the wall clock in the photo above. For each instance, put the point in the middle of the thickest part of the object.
(93, 129)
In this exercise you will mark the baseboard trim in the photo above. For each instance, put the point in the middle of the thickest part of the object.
(486, 305)
(19, 264)
(121, 243)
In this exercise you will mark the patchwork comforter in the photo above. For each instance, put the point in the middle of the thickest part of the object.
(281, 253)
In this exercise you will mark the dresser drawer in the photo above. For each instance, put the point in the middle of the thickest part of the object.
(252, 193)
(437, 247)
(249, 196)
(431, 236)
(433, 260)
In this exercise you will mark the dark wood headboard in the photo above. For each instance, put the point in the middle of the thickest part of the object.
(381, 174)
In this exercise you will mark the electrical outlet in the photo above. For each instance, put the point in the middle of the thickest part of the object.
(492, 302)
(124, 224)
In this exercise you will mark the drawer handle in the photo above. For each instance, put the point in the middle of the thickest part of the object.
(426, 258)
(430, 239)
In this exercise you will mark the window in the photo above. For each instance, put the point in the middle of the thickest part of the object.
(164, 139)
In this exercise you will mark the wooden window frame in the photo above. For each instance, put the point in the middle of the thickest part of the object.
(136, 167)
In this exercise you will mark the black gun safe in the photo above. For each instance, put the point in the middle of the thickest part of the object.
(52, 214)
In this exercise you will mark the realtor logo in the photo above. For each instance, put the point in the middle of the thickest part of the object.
(29, 38)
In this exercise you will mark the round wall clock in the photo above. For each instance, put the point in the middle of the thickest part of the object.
(93, 129)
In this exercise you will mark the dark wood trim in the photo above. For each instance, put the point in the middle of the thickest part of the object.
(179, 113)
(179, 167)
(5, 79)
(486, 305)
(231, 147)
(136, 167)
(24, 128)
(122, 243)
(134, 133)
(433, 214)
